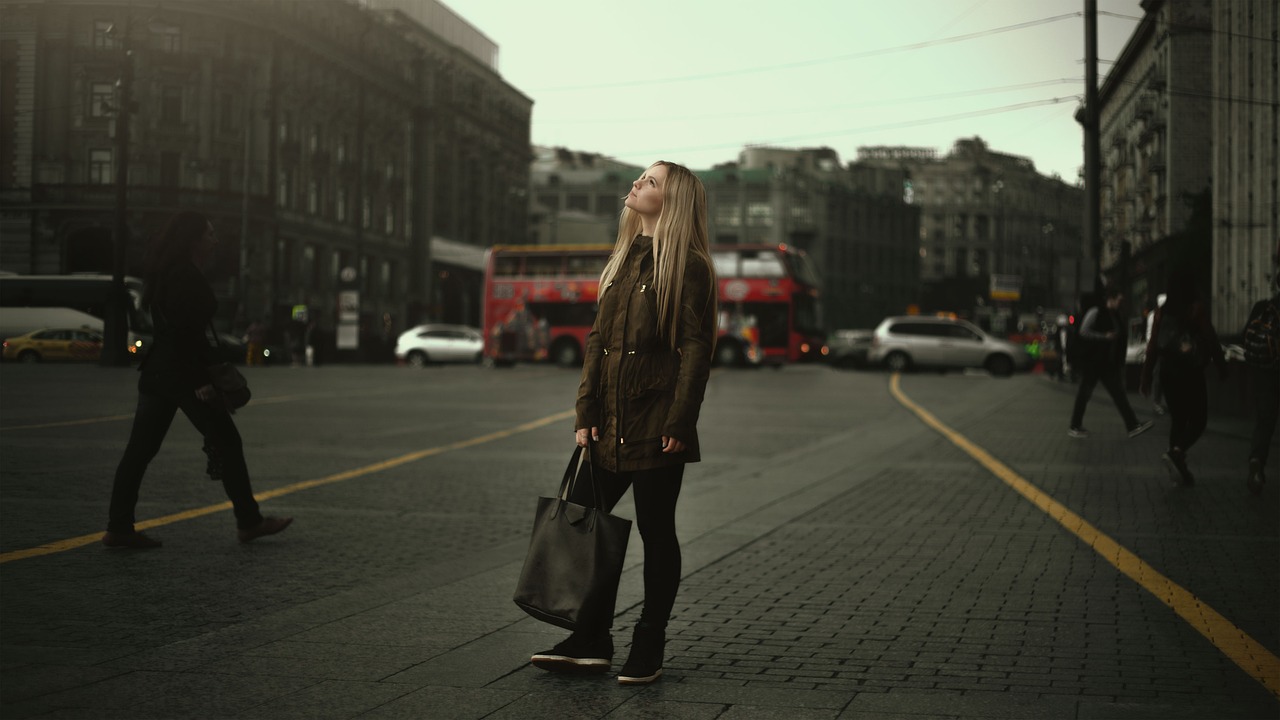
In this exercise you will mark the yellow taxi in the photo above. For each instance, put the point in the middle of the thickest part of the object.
(55, 345)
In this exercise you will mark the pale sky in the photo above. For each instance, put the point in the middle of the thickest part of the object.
(693, 81)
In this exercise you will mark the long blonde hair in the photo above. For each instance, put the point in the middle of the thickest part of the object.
(681, 231)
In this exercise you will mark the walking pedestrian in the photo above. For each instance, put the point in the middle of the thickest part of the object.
(175, 376)
(1103, 337)
(255, 339)
(647, 360)
(1182, 343)
(1262, 353)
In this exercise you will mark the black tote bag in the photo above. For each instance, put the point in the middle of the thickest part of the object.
(570, 575)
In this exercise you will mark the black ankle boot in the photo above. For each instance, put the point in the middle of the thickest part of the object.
(644, 663)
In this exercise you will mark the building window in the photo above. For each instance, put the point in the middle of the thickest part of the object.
(284, 189)
(313, 197)
(100, 96)
(341, 205)
(578, 201)
(309, 264)
(386, 277)
(103, 36)
(342, 150)
(100, 167)
(366, 213)
(315, 138)
(389, 220)
(226, 112)
(286, 119)
(171, 105)
(167, 38)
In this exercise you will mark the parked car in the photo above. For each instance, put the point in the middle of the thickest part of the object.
(439, 343)
(849, 348)
(55, 344)
(902, 343)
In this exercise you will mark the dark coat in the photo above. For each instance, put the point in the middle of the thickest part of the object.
(634, 387)
(1170, 334)
(182, 306)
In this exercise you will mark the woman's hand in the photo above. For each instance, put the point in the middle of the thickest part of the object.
(583, 436)
(671, 445)
(207, 393)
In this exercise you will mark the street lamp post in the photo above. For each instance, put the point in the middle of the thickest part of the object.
(116, 323)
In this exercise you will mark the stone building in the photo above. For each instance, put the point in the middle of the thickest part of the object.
(1157, 149)
(852, 223)
(990, 216)
(320, 137)
(1246, 139)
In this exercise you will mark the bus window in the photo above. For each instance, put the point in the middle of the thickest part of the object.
(588, 266)
(542, 265)
(726, 264)
(762, 264)
(506, 266)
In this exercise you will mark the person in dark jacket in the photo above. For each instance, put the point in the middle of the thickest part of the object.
(175, 376)
(1103, 334)
(1182, 343)
(645, 370)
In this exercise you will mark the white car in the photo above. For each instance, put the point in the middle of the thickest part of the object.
(439, 343)
(901, 343)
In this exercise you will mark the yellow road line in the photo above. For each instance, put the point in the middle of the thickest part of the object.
(81, 541)
(1252, 657)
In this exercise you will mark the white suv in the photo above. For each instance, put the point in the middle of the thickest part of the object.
(901, 343)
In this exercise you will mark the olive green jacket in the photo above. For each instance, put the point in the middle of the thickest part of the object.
(634, 387)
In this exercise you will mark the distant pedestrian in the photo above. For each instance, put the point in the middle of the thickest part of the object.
(645, 370)
(1262, 353)
(1182, 343)
(175, 376)
(255, 339)
(1101, 358)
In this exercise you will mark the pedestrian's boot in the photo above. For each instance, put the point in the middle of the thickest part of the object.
(1256, 478)
(644, 663)
(581, 652)
(1176, 462)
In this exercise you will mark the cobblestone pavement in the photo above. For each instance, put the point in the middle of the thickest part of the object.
(841, 558)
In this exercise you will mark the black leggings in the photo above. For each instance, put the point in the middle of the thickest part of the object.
(159, 399)
(655, 493)
(1188, 400)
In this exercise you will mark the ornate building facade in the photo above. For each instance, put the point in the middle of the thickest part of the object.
(332, 144)
(991, 227)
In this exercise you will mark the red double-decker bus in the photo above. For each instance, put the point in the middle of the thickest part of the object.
(540, 301)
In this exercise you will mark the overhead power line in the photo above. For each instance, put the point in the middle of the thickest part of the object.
(831, 108)
(818, 61)
(868, 129)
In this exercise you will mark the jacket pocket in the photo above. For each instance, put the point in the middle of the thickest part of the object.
(650, 372)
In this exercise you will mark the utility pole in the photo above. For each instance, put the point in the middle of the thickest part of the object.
(1092, 130)
(116, 323)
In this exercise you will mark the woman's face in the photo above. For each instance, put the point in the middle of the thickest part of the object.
(645, 197)
(202, 250)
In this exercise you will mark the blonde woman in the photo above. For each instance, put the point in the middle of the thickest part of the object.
(645, 370)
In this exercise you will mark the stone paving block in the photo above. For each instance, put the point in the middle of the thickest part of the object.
(33, 681)
(330, 698)
(177, 695)
(474, 664)
(727, 694)
(320, 668)
(560, 704)
(992, 705)
(442, 703)
(758, 712)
